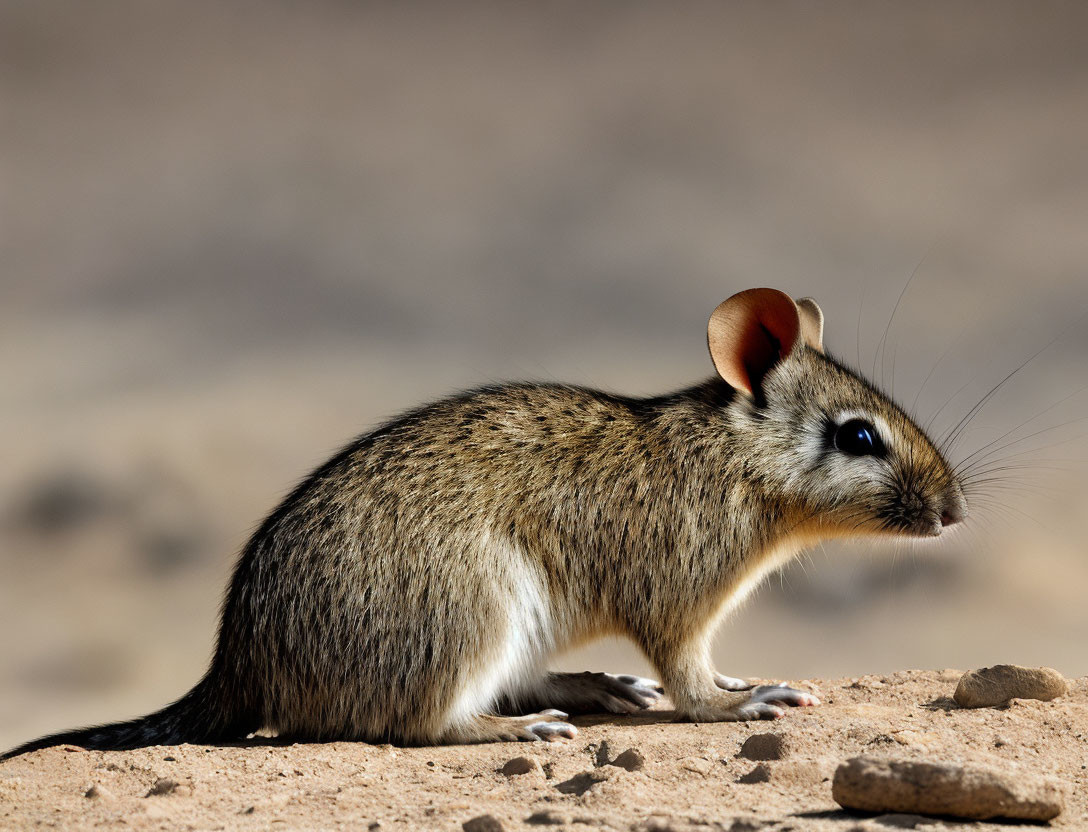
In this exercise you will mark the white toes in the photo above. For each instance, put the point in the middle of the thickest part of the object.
(552, 731)
(760, 710)
(555, 713)
(730, 682)
(783, 695)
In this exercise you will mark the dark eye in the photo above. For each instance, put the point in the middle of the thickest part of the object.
(858, 438)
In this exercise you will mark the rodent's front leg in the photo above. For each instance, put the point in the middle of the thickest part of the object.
(698, 695)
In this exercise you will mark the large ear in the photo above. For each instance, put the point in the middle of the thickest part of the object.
(751, 332)
(812, 323)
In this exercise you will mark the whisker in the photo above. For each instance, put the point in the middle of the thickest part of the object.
(880, 349)
(966, 420)
(1026, 422)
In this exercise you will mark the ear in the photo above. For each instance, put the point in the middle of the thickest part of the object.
(751, 332)
(812, 323)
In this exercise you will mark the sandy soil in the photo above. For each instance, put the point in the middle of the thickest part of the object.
(692, 778)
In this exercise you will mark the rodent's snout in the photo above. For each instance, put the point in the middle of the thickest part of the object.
(929, 516)
(954, 509)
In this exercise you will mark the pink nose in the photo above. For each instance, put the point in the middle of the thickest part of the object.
(950, 517)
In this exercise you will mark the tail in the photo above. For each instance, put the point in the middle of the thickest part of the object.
(205, 714)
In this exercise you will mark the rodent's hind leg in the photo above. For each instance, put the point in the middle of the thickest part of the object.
(549, 725)
(587, 693)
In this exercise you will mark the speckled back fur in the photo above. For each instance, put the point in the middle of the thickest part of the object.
(433, 566)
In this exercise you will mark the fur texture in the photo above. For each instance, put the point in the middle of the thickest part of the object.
(414, 586)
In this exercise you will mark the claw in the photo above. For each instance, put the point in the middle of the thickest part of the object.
(760, 710)
(783, 695)
(640, 692)
(552, 731)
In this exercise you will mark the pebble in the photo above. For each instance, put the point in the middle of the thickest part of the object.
(604, 753)
(768, 746)
(697, 764)
(631, 760)
(98, 792)
(521, 765)
(482, 823)
(163, 786)
(546, 818)
(874, 784)
(996, 685)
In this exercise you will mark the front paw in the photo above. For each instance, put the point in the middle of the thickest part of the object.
(763, 702)
(781, 695)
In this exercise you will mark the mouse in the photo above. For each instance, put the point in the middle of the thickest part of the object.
(413, 588)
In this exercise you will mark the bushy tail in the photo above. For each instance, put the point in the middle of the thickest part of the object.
(203, 715)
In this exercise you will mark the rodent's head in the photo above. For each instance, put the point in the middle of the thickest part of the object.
(835, 447)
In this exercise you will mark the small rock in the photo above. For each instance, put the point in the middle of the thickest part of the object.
(604, 753)
(546, 818)
(879, 785)
(163, 786)
(582, 783)
(521, 765)
(98, 792)
(697, 764)
(482, 823)
(996, 685)
(631, 760)
(768, 746)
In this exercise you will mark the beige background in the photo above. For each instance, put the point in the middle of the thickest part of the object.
(233, 235)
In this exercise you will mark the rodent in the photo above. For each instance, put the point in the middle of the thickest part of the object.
(412, 589)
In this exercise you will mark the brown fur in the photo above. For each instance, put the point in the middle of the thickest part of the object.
(416, 583)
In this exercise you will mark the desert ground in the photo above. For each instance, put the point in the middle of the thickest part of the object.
(235, 235)
(685, 776)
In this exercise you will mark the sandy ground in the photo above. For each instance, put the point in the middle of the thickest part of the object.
(231, 240)
(692, 778)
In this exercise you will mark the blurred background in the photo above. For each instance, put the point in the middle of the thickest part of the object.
(234, 235)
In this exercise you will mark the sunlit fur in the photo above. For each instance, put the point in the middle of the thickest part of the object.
(432, 567)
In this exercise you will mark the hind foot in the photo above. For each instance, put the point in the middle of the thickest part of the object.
(587, 693)
(547, 726)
